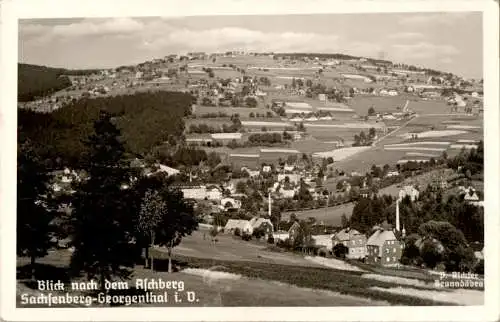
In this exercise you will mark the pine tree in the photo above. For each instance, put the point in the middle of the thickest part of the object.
(103, 223)
(33, 217)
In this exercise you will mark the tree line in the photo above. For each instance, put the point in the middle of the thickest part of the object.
(36, 81)
(145, 120)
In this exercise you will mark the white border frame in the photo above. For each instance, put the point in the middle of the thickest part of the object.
(11, 11)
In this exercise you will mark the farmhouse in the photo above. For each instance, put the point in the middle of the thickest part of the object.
(194, 192)
(261, 223)
(167, 170)
(280, 236)
(323, 240)
(243, 225)
(353, 240)
(214, 193)
(230, 203)
(383, 248)
(201, 192)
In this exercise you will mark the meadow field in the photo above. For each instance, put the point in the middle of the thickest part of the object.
(242, 111)
(329, 216)
(382, 104)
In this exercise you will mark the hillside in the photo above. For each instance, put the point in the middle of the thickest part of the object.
(38, 81)
(145, 120)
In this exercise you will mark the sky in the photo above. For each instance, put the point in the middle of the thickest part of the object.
(451, 42)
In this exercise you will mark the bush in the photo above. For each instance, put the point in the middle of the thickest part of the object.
(270, 240)
(479, 268)
(258, 233)
(323, 252)
(246, 237)
(340, 250)
(284, 244)
(237, 232)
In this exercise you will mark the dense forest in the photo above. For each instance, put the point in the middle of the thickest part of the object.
(38, 81)
(144, 119)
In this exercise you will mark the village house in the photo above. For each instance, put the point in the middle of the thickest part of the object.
(383, 248)
(161, 168)
(266, 168)
(251, 173)
(262, 223)
(324, 240)
(353, 240)
(201, 192)
(244, 226)
(230, 203)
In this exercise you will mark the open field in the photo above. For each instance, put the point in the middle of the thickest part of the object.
(382, 104)
(231, 248)
(327, 279)
(312, 145)
(242, 111)
(330, 216)
(435, 134)
(342, 153)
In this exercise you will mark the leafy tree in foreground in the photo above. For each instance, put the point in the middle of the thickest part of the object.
(177, 222)
(103, 222)
(150, 217)
(33, 218)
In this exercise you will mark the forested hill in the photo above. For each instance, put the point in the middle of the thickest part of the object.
(38, 81)
(145, 119)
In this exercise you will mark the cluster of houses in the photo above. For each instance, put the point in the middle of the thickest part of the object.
(249, 226)
(381, 247)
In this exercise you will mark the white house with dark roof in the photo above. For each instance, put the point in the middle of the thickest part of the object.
(243, 225)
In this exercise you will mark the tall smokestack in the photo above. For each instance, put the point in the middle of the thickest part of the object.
(397, 215)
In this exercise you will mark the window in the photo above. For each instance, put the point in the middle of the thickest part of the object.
(393, 259)
(388, 259)
(387, 250)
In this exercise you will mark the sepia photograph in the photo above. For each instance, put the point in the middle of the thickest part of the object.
(252, 160)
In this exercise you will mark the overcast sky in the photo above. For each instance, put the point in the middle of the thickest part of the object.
(447, 41)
